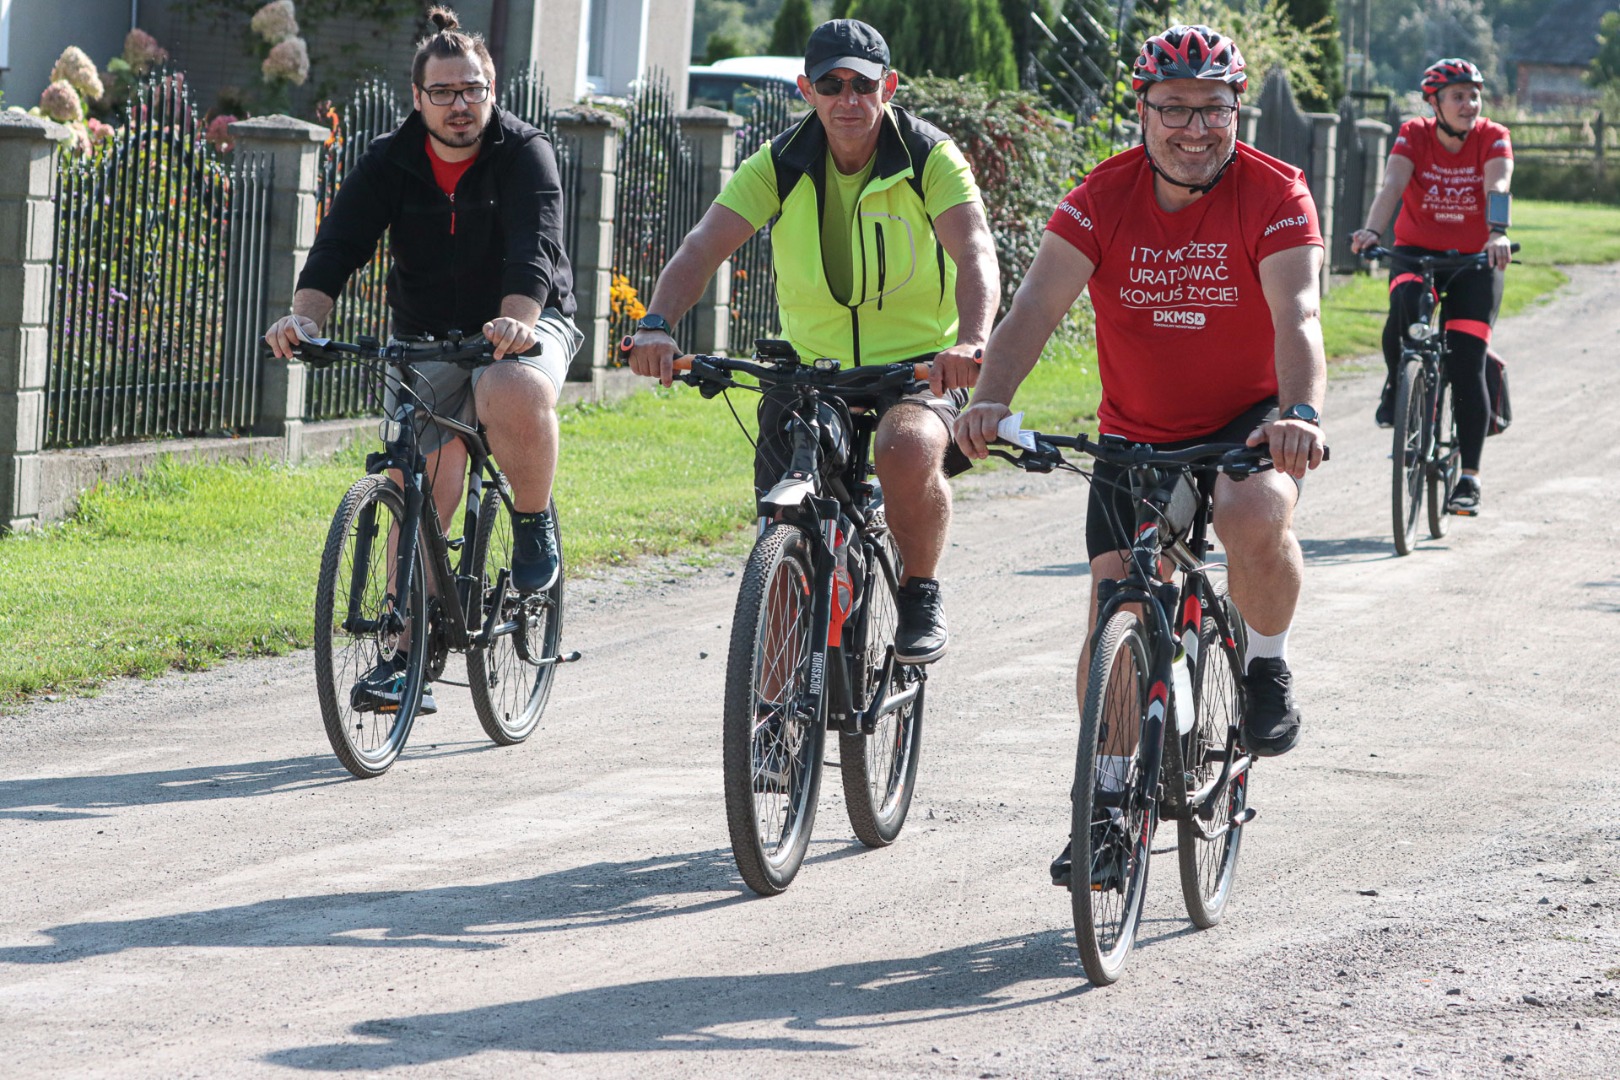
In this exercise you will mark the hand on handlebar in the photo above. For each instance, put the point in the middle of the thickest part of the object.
(976, 427)
(511, 337)
(957, 368)
(651, 353)
(1499, 249)
(1295, 445)
(288, 333)
(1362, 239)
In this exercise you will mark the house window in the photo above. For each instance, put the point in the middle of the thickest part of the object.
(596, 46)
(5, 34)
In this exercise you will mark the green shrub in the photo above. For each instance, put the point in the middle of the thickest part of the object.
(1535, 179)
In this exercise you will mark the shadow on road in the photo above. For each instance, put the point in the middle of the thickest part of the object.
(459, 917)
(1075, 569)
(797, 1011)
(1350, 549)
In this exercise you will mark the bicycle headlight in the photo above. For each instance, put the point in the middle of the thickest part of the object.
(1420, 331)
(388, 431)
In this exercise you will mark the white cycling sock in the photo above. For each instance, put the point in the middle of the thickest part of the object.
(1111, 771)
(1266, 645)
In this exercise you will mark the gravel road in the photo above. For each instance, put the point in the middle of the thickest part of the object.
(193, 887)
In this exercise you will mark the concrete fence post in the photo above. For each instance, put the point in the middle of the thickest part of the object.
(28, 148)
(712, 135)
(1249, 123)
(595, 134)
(1375, 151)
(294, 149)
(1322, 176)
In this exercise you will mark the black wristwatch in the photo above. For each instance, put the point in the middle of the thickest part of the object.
(1303, 412)
(654, 322)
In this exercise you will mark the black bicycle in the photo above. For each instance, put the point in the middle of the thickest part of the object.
(812, 639)
(1426, 453)
(375, 602)
(1160, 726)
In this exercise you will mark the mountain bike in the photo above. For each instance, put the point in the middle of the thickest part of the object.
(375, 601)
(1160, 724)
(1426, 453)
(812, 647)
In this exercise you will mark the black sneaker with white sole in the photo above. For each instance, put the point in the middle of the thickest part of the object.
(920, 636)
(1270, 719)
(1110, 848)
(379, 690)
(1464, 501)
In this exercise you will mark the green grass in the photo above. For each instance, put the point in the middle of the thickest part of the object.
(1552, 234)
(195, 563)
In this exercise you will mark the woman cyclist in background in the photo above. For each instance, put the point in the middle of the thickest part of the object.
(1451, 173)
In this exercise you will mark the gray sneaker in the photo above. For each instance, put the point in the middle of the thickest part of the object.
(1464, 501)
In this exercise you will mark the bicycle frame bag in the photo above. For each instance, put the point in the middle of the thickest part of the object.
(1496, 384)
(1176, 497)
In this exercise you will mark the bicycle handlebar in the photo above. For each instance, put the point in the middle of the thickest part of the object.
(1231, 459)
(468, 352)
(698, 368)
(1450, 260)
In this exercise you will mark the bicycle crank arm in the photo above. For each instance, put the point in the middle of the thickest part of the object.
(1198, 798)
(890, 704)
(1240, 819)
(489, 631)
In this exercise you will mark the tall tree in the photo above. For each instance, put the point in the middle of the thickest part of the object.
(1605, 70)
(791, 29)
(946, 37)
(1320, 19)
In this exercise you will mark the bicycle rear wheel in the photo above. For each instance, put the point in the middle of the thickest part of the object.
(1410, 451)
(880, 770)
(1445, 460)
(509, 683)
(354, 603)
(1208, 866)
(1114, 814)
(772, 730)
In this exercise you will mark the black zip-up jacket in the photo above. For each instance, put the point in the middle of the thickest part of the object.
(508, 221)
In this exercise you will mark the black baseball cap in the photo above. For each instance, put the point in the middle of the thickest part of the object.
(846, 43)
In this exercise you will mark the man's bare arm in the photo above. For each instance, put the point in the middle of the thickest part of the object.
(720, 233)
(1290, 281)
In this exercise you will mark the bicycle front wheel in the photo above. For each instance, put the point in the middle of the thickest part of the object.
(880, 769)
(1114, 814)
(772, 728)
(1411, 442)
(510, 677)
(355, 632)
(1445, 461)
(1209, 865)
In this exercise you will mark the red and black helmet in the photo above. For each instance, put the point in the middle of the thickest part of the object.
(1189, 52)
(1442, 73)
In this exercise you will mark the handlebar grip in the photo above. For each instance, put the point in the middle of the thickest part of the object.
(683, 363)
(920, 371)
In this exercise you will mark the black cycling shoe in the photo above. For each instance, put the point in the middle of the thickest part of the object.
(1109, 847)
(1385, 416)
(1270, 720)
(920, 637)
(379, 689)
(1464, 501)
(536, 561)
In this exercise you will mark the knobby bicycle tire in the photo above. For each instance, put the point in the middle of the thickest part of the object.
(1409, 452)
(1112, 720)
(879, 770)
(509, 688)
(355, 563)
(772, 732)
(1208, 867)
(1445, 459)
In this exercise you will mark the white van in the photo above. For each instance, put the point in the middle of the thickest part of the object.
(729, 84)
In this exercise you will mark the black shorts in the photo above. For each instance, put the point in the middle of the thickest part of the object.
(1111, 512)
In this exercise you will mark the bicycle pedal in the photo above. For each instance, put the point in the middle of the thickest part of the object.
(1243, 817)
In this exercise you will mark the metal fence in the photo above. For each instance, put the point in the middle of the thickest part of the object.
(159, 256)
(1082, 62)
(372, 109)
(754, 311)
(657, 203)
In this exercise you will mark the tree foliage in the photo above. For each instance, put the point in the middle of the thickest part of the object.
(945, 37)
(1268, 38)
(791, 29)
(1320, 19)
(1605, 69)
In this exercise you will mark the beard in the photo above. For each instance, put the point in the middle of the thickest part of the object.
(1187, 170)
(448, 136)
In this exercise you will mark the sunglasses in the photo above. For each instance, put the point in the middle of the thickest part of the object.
(832, 85)
(473, 95)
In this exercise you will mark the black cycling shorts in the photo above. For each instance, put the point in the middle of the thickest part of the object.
(1110, 511)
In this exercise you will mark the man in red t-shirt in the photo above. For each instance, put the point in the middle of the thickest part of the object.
(1202, 257)
(1442, 169)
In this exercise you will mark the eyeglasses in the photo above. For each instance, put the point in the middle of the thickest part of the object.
(832, 85)
(472, 95)
(1179, 116)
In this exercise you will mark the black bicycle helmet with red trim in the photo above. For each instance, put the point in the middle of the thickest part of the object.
(1189, 52)
(1442, 73)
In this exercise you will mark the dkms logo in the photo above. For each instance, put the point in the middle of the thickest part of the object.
(1178, 318)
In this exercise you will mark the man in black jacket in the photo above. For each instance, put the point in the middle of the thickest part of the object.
(472, 199)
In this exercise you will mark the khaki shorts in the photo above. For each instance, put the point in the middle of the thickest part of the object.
(449, 388)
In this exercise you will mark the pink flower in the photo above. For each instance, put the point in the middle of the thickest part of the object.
(276, 22)
(98, 131)
(60, 102)
(142, 52)
(288, 62)
(219, 132)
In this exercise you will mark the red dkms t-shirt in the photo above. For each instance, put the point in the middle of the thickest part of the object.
(1443, 206)
(447, 174)
(1184, 335)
